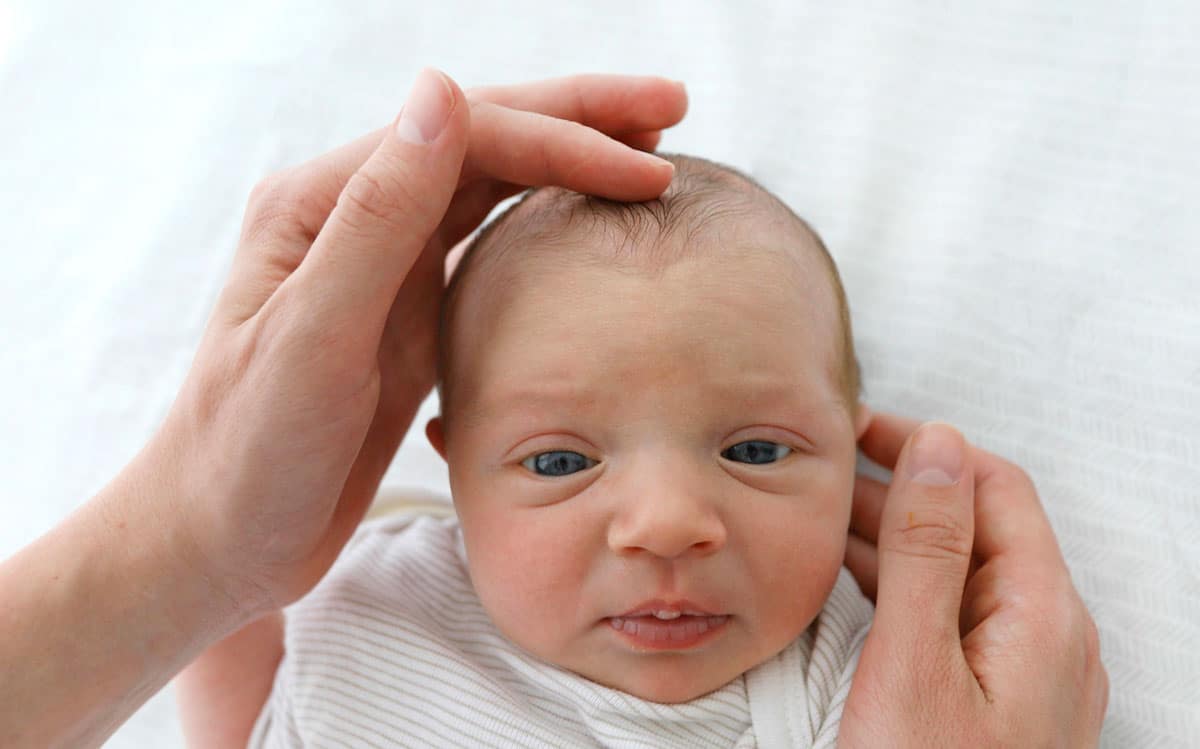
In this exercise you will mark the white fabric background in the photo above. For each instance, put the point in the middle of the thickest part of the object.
(1009, 189)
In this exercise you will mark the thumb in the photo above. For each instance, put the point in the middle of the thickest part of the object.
(389, 208)
(925, 539)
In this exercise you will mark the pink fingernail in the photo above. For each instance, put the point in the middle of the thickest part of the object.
(936, 455)
(427, 109)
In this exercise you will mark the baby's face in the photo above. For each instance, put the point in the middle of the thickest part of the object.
(620, 443)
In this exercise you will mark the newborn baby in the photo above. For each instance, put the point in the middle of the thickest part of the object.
(649, 412)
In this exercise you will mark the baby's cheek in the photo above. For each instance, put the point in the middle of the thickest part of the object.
(796, 562)
(529, 578)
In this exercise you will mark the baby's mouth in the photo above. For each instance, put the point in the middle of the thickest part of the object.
(675, 631)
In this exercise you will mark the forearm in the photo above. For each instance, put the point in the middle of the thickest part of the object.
(222, 692)
(97, 615)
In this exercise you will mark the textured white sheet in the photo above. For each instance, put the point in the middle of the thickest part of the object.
(1010, 192)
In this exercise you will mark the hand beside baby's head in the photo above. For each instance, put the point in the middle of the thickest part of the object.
(650, 402)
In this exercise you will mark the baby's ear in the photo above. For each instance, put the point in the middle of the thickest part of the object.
(437, 438)
(861, 420)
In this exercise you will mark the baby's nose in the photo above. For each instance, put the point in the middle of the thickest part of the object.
(667, 522)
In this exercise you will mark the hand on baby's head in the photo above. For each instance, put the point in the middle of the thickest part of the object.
(650, 406)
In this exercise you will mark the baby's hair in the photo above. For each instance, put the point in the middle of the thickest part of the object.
(704, 197)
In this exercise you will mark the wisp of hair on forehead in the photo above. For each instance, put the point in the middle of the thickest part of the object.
(703, 197)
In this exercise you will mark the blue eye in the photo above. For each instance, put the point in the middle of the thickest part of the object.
(557, 463)
(756, 452)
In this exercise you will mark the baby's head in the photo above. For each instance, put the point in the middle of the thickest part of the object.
(650, 406)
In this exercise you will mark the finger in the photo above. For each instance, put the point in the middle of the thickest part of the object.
(862, 559)
(1009, 516)
(1010, 519)
(982, 596)
(288, 210)
(925, 538)
(285, 219)
(532, 149)
(609, 103)
(867, 507)
(472, 203)
(885, 436)
(475, 200)
(387, 211)
(306, 194)
(629, 107)
(643, 141)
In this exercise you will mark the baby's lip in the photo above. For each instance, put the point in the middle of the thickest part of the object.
(680, 606)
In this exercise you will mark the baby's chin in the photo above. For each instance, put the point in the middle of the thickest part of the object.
(666, 684)
(676, 693)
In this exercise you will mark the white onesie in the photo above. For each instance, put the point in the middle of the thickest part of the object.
(393, 648)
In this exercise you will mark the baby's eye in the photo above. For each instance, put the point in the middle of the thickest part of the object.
(557, 463)
(756, 451)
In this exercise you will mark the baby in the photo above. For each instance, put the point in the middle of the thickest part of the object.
(649, 412)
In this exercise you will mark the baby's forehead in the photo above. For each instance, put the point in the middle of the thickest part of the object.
(722, 228)
(710, 218)
(738, 237)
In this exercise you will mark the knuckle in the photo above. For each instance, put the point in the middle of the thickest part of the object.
(268, 193)
(576, 83)
(563, 164)
(579, 100)
(1063, 616)
(374, 199)
(545, 153)
(1015, 478)
(273, 199)
(1069, 627)
(931, 533)
(1087, 634)
(1073, 610)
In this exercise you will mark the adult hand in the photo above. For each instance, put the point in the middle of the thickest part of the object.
(980, 638)
(322, 345)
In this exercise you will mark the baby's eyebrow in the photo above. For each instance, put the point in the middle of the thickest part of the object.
(527, 398)
(795, 398)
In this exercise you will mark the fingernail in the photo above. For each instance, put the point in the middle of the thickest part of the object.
(659, 162)
(427, 108)
(936, 455)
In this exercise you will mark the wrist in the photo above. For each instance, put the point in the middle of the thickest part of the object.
(111, 594)
(201, 529)
(147, 510)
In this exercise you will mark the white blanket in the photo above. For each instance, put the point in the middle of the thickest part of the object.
(1009, 189)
